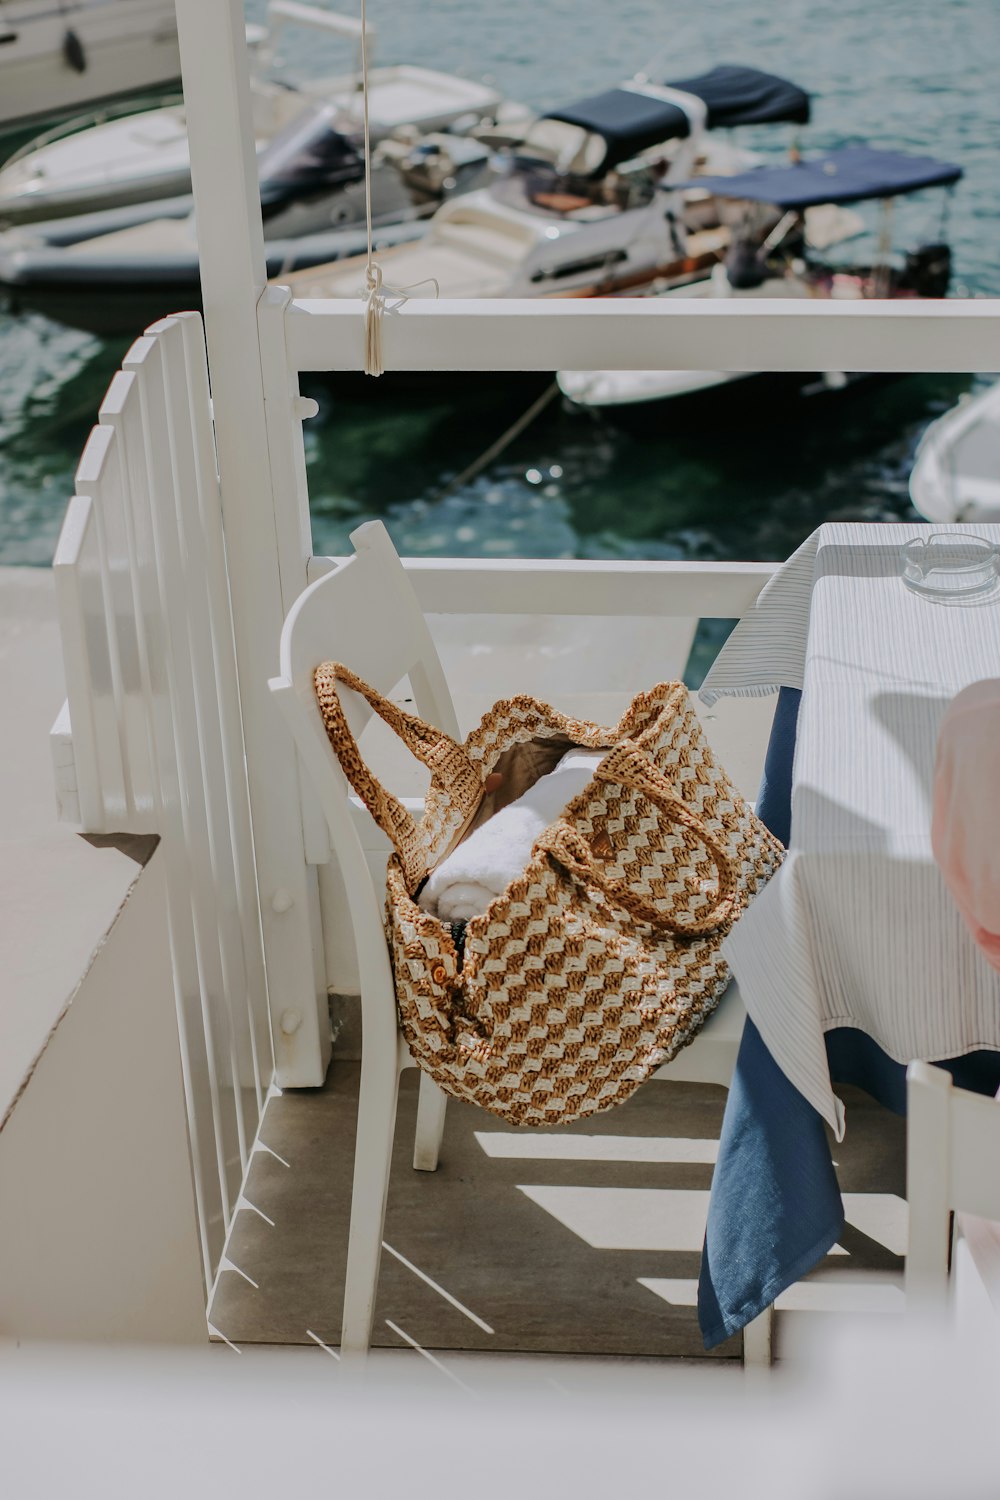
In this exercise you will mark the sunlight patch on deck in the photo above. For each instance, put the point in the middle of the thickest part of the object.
(881, 1216)
(844, 1294)
(679, 1291)
(609, 1218)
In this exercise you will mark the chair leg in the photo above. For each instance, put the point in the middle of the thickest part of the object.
(757, 1340)
(430, 1125)
(372, 1160)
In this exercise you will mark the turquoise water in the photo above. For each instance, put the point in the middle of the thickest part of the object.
(900, 73)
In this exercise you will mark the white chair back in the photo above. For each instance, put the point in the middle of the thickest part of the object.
(365, 614)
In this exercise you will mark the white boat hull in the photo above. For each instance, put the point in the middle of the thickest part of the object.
(615, 390)
(956, 473)
(126, 46)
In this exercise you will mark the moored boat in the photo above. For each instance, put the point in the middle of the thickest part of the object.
(93, 165)
(778, 260)
(956, 471)
(59, 57)
(604, 195)
(577, 208)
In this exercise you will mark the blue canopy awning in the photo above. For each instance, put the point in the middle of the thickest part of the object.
(848, 176)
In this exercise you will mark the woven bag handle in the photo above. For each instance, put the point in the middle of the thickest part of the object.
(628, 765)
(449, 764)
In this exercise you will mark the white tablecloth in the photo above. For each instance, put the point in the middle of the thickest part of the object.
(858, 929)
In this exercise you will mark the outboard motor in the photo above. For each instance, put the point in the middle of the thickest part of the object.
(927, 270)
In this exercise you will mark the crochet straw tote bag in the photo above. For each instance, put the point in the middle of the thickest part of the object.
(601, 961)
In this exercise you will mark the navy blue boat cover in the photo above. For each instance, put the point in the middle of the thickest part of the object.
(745, 96)
(847, 176)
(631, 121)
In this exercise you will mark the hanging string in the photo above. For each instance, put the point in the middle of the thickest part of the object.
(374, 300)
(375, 291)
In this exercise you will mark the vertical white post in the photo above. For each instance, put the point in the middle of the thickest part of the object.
(928, 1182)
(262, 527)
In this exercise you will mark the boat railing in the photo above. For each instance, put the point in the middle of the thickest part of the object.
(281, 13)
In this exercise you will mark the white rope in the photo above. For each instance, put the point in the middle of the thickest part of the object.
(376, 291)
(374, 300)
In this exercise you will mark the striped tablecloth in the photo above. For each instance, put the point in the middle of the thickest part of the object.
(858, 928)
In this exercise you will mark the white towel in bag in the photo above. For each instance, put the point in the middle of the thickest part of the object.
(465, 883)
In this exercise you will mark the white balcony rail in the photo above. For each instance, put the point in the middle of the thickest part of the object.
(155, 721)
(542, 586)
(642, 333)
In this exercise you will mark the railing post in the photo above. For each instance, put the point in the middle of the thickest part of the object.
(264, 532)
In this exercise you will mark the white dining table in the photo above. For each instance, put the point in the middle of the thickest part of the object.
(858, 928)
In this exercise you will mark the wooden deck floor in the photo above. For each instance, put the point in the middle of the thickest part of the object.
(593, 1250)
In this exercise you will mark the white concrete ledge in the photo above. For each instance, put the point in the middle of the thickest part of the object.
(59, 893)
(100, 1239)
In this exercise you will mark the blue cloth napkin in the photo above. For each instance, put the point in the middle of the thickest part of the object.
(776, 1209)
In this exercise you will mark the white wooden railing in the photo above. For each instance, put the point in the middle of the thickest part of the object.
(155, 725)
(642, 333)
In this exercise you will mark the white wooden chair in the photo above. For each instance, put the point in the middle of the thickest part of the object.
(952, 1166)
(366, 613)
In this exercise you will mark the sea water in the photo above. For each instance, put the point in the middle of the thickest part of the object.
(918, 75)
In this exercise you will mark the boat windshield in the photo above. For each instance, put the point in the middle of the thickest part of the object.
(311, 155)
(563, 168)
(532, 184)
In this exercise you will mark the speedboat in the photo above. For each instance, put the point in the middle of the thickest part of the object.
(59, 57)
(574, 208)
(586, 205)
(956, 471)
(107, 274)
(142, 158)
(782, 221)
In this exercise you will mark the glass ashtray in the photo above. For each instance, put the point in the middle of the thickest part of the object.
(952, 567)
